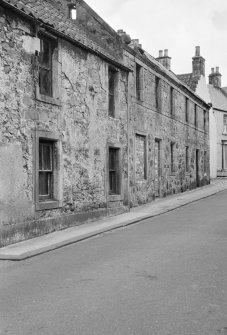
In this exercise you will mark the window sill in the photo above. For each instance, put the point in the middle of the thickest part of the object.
(47, 99)
(47, 204)
(114, 197)
(225, 134)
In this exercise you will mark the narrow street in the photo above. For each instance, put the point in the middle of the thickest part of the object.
(166, 275)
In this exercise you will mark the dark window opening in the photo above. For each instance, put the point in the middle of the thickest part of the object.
(45, 66)
(114, 182)
(138, 81)
(205, 162)
(157, 93)
(172, 101)
(187, 158)
(195, 116)
(204, 120)
(186, 109)
(112, 79)
(45, 170)
(172, 165)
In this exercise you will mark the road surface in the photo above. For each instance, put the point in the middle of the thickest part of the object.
(166, 275)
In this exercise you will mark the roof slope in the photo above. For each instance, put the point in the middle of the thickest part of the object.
(218, 97)
(52, 17)
(172, 75)
(188, 80)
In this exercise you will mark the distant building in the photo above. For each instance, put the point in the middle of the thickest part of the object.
(197, 82)
(218, 96)
(90, 123)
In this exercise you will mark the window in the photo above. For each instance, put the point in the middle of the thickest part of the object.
(195, 116)
(140, 157)
(139, 82)
(45, 67)
(186, 109)
(72, 12)
(205, 162)
(47, 83)
(172, 102)
(187, 159)
(112, 75)
(172, 163)
(204, 120)
(114, 173)
(45, 170)
(225, 123)
(158, 93)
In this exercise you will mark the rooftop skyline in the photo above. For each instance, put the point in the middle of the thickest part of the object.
(176, 25)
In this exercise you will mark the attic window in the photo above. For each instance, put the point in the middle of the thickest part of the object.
(72, 12)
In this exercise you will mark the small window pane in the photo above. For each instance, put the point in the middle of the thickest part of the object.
(45, 53)
(45, 184)
(45, 81)
(112, 159)
(47, 162)
(112, 181)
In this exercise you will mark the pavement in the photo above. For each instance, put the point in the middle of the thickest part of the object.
(29, 248)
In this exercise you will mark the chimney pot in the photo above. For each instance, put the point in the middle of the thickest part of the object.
(215, 77)
(160, 53)
(197, 51)
(166, 53)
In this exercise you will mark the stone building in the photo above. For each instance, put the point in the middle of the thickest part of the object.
(196, 80)
(90, 124)
(168, 129)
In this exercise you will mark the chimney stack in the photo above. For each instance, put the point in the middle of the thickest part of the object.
(164, 60)
(125, 38)
(135, 43)
(215, 77)
(198, 64)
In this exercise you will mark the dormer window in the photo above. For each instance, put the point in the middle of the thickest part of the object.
(72, 12)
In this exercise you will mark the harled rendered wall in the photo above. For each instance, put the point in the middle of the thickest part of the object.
(78, 118)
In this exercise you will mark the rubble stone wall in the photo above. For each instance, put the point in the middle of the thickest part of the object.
(79, 117)
(167, 129)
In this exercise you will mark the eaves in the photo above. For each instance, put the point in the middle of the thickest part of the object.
(49, 28)
(156, 68)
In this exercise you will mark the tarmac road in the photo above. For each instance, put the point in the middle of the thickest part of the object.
(166, 275)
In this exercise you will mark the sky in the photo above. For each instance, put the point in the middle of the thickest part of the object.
(176, 25)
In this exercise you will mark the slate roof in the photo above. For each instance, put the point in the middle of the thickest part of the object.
(188, 80)
(218, 97)
(52, 17)
(172, 75)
